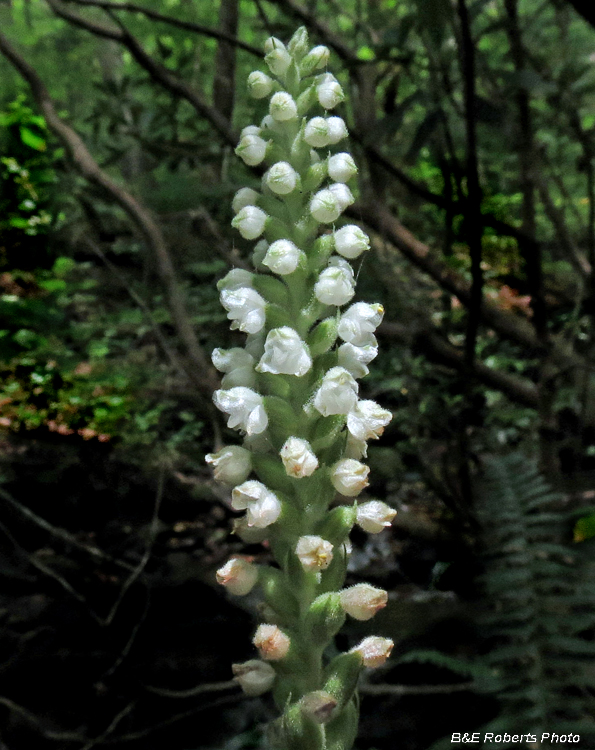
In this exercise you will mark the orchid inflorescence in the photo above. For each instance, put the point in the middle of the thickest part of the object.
(292, 391)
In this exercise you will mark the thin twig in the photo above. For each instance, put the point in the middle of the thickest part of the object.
(110, 728)
(386, 689)
(209, 687)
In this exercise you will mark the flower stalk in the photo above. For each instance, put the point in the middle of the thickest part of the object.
(292, 391)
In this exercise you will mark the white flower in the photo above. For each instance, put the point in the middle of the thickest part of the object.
(285, 353)
(249, 222)
(246, 308)
(244, 197)
(259, 84)
(235, 279)
(261, 505)
(255, 677)
(316, 132)
(231, 465)
(336, 284)
(245, 409)
(356, 359)
(329, 92)
(359, 323)
(374, 650)
(341, 167)
(368, 420)
(337, 130)
(317, 58)
(350, 241)
(238, 576)
(250, 130)
(251, 149)
(325, 207)
(282, 257)
(259, 253)
(337, 394)
(375, 516)
(314, 552)
(277, 57)
(282, 107)
(281, 178)
(362, 601)
(343, 195)
(237, 364)
(272, 642)
(349, 477)
(298, 458)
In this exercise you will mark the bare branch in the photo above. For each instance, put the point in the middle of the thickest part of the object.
(212, 687)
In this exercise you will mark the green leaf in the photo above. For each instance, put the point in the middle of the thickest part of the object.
(31, 139)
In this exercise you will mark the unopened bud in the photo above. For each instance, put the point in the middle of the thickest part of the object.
(282, 107)
(251, 149)
(362, 601)
(317, 58)
(282, 257)
(325, 207)
(319, 706)
(298, 44)
(316, 132)
(314, 553)
(271, 642)
(259, 84)
(374, 650)
(298, 458)
(255, 677)
(238, 576)
(337, 393)
(337, 130)
(329, 92)
(231, 465)
(244, 197)
(250, 222)
(277, 58)
(341, 167)
(351, 241)
(375, 516)
(281, 178)
(336, 284)
(343, 195)
(349, 477)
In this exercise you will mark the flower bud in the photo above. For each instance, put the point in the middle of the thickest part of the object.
(359, 323)
(349, 477)
(272, 642)
(231, 465)
(237, 364)
(261, 505)
(277, 58)
(336, 284)
(281, 178)
(251, 149)
(319, 706)
(250, 222)
(282, 107)
(316, 132)
(374, 650)
(245, 409)
(314, 553)
(244, 197)
(337, 393)
(325, 207)
(355, 359)
(255, 677)
(250, 130)
(317, 58)
(282, 257)
(298, 458)
(259, 85)
(235, 279)
(375, 516)
(362, 601)
(341, 167)
(337, 130)
(343, 195)
(259, 254)
(238, 576)
(268, 123)
(368, 420)
(329, 92)
(285, 353)
(350, 241)
(245, 307)
(298, 44)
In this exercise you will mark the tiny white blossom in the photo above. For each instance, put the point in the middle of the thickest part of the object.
(337, 130)
(237, 364)
(374, 650)
(285, 353)
(337, 393)
(245, 308)
(317, 58)
(341, 167)
(336, 284)
(298, 458)
(250, 222)
(235, 279)
(261, 505)
(362, 601)
(244, 197)
(316, 132)
(259, 84)
(245, 409)
(272, 642)
(349, 477)
(343, 195)
(282, 257)
(231, 465)
(359, 322)
(329, 92)
(282, 107)
(314, 552)
(355, 359)
(238, 576)
(277, 57)
(251, 149)
(368, 420)
(351, 241)
(281, 178)
(375, 516)
(255, 677)
(325, 207)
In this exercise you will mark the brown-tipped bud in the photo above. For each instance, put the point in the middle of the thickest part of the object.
(319, 706)
(374, 650)
(362, 601)
(238, 576)
(271, 642)
(375, 516)
(255, 677)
